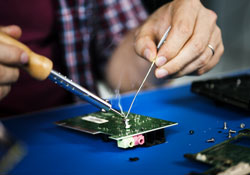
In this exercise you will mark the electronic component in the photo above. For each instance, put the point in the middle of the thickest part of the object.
(144, 130)
(126, 143)
(139, 139)
(230, 157)
(230, 90)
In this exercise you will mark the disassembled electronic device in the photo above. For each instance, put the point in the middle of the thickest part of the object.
(231, 157)
(146, 131)
(230, 90)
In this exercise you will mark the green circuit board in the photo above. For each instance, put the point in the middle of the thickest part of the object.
(230, 156)
(113, 125)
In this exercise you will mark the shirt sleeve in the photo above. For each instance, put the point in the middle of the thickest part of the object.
(115, 19)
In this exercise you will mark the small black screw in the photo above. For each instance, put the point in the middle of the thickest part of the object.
(191, 132)
(133, 159)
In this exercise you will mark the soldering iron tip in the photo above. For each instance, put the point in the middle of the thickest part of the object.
(117, 112)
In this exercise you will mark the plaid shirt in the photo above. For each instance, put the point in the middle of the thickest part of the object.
(90, 30)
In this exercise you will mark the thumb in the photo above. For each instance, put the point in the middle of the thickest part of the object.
(12, 30)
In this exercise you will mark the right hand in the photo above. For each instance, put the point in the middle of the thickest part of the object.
(11, 58)
(186, 50)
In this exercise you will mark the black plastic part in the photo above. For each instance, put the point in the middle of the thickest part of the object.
(191, 132)
(105, 138)
(133, 159)
(230, 90)
(154, 138)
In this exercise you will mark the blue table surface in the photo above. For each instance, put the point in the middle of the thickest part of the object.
(55, 150)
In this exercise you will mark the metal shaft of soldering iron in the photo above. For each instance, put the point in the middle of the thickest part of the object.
(145, 78)
(80, 91)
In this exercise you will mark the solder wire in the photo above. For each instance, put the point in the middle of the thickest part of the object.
(140, 87)
(145, 78)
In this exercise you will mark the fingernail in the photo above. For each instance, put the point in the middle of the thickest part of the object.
(24, 58)
(160, 61)
(147, 54)
(160, 73)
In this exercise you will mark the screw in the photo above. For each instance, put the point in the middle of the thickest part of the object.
(229, 135)
(242, 125)
(225, 125)
(232, 131)
(211, 140)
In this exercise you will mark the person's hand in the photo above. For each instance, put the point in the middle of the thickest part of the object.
(185, 50)
(10, 58)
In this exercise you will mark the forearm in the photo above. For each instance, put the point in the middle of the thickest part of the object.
(126, 69)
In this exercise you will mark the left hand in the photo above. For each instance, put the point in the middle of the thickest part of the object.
(185, 50)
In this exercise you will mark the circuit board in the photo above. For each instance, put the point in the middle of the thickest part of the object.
(113, 125)
(229, 157)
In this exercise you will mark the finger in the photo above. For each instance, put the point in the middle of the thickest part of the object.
(183, 23)
(11, 55)
(8, 75)
(145, 43)
(197, 64)
(149, 34)
(205, 57)
(218, 49)
(215, 59)
(193, 48)
(12, 30)
(4, 90)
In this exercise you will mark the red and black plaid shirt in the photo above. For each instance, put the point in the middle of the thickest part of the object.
(90, 30)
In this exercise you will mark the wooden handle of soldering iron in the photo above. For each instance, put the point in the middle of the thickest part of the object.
(39, 67)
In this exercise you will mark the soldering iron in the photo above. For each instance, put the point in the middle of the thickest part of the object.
(40, 68)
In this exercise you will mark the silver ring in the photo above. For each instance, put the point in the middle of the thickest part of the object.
(212, 49)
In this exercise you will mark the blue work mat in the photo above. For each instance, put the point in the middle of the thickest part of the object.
(55, 150)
